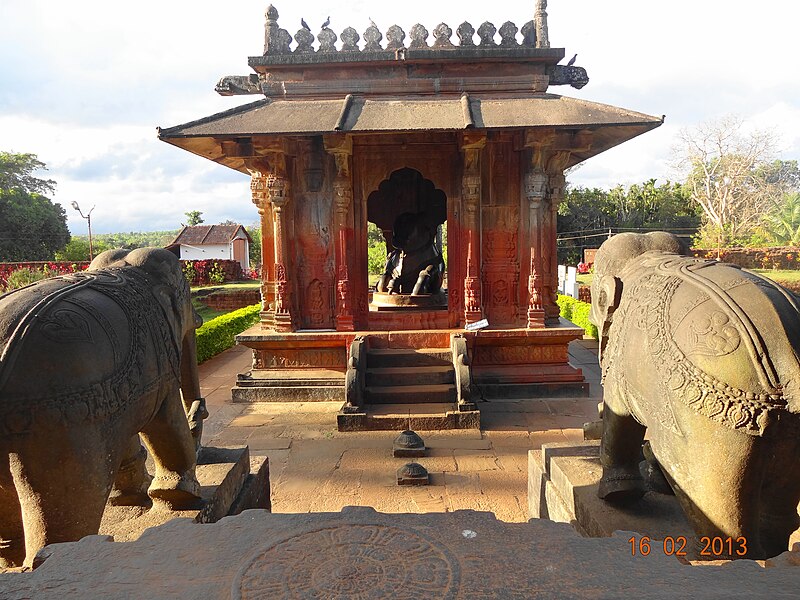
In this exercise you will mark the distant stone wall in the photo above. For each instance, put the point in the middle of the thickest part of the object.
(786, 257)
(231, 300)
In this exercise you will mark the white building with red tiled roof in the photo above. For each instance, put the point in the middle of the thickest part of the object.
(204, 242)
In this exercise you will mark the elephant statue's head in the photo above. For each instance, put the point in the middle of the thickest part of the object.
(171, 290)
(612, 257)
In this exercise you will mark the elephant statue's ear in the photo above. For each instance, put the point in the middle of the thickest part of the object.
(606, 295)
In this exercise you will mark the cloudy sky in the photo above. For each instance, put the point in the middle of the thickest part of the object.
(85, 83)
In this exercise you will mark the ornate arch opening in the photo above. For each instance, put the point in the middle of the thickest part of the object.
(406, 191)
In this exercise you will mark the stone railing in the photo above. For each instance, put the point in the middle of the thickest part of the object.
(277, 41)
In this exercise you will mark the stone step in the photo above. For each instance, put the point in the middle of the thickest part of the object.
(388, 376)
(405, 357)
(419, 417)
(410, 394)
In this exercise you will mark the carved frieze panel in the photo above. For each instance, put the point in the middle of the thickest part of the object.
(292, 358)
(519, 355)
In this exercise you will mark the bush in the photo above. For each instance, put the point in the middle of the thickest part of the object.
(577, 312)
(376, 259)
(25, 276)
(219, 334)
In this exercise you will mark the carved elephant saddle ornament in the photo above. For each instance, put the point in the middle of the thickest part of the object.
(706, 331)
(113, 310)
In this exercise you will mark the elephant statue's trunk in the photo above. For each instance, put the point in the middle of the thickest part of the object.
(193, 401)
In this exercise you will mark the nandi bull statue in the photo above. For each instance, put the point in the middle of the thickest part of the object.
(87, 362)
(416, 266)
(704, 356)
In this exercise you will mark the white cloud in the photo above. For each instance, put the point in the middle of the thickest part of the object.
(86, 82)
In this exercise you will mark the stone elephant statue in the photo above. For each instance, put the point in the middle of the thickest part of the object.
(87, 362)
(416, 266)
(704, 356)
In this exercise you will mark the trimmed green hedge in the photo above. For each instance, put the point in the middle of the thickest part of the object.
(218, 334)
(577, 312)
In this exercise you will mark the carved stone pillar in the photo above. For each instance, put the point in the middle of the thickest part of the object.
(259, 169)
(539, 242)
(341, 147)
(278, 189)
(535, 186)
(555, 170)
(472, 144)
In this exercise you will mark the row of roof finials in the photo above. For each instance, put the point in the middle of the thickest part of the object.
(277, 40)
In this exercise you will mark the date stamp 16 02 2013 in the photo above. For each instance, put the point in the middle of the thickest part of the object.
(710, 547)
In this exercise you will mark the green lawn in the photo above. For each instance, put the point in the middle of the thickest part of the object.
(780, 275)
(210, 313)
(229, 286)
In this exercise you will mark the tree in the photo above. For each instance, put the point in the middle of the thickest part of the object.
(16, 174)
(194, 217)
(781, 225)
(255, 246)
(78, 249)
(32, 227)
(730, 174)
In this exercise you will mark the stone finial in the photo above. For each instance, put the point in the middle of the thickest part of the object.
(540, 18)
(486, 32)
(529, 34)
(350, 39)
(465, 32)
(327, 40)
(395, 37)
(441, 35)
(304, 39)
(372, 37)
(271, 30)
(508, 34)
(284, 38)
(419, 37)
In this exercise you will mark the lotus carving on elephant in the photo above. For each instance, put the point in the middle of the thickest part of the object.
(87, 362)
(703, 356)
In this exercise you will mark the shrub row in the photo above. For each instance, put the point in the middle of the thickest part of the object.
(577, 312)
(219, 334)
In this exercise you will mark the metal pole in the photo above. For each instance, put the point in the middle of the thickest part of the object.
(89, 222)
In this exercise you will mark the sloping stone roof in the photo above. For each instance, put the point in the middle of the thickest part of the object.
(611, 125)
(203, 235)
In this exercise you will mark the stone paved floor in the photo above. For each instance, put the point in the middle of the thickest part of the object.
(315, 468)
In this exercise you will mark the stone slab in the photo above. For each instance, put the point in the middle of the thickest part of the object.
(230, 481)
(284, 393)
(369, 421)
(562, 486)
(464, 554)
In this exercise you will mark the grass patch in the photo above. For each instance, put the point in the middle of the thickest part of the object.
(780, 275)
(236, 285)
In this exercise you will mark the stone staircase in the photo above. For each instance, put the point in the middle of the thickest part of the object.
(400, 388)
(410, 376)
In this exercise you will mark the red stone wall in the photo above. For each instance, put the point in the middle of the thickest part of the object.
(231, 300)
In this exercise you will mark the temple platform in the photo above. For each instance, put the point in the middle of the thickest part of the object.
(310, 365)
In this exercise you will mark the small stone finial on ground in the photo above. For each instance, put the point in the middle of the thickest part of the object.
(408, 445)
(413, 474)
